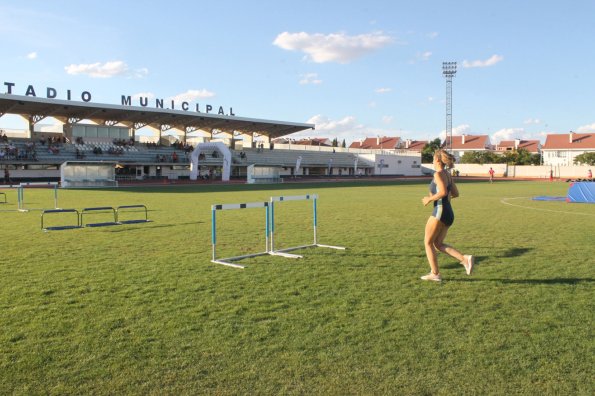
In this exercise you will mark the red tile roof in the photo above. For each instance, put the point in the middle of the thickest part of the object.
(314, 142)
(414, 145)
(531, 146)
(472, 142)
(566, 141)
(387, 143)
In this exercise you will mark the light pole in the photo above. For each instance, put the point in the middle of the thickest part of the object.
(449, 69)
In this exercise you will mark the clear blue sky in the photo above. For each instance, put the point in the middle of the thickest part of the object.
(353, 68)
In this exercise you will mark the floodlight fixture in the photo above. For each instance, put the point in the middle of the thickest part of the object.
(449, 70)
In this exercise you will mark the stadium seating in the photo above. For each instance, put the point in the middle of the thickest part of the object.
(143, 154)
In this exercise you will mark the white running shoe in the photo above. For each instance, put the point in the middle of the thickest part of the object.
(432, 277)
(469, 262)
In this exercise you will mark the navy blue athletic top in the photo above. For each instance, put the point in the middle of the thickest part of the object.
(442, 207)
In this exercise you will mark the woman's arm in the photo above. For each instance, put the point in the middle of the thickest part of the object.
(454, 191)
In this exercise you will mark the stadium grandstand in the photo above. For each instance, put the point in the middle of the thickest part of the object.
(110, 133)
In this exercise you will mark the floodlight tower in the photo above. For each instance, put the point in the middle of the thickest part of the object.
(449, 69)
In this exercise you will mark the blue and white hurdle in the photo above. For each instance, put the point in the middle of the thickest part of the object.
(229, 260)
(283, 252)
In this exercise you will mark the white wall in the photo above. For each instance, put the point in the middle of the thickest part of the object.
(561, 157)
(521, 171)
(33, 173)
(481, 170)
(405, 165)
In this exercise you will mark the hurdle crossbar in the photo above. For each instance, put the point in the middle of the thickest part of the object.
(132, 221)
(61, 227)
(283, 252)
(102, 209)
(228, 261)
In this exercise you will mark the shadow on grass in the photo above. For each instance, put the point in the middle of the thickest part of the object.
(514, 252)
(153, 225)
(349, 252)
(551, 281)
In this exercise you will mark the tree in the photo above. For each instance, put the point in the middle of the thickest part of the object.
(515, 157)
(585, 158)
(480, 157)
(335, 142)
(343, 144)
(427, 153)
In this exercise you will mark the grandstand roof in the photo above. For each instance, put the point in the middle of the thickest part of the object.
(134, 116)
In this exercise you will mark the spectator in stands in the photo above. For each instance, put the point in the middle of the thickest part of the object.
(12, 151)
(6, 176)
(215, 154)
(174, 157)
(42, 140)
(442, 189)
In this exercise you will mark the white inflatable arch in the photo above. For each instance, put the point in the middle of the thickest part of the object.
(210, 147)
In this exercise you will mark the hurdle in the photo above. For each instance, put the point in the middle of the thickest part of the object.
(132, 221)
(60, 227)
(100, 209)
(282, 252)
(228, 261)
(4, 197)
(21, 195)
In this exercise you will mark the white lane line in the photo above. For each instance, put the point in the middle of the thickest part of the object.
(504, 201)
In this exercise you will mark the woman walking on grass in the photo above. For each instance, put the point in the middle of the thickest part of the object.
(442, 189)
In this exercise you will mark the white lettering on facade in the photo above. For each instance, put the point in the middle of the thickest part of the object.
(126, 100)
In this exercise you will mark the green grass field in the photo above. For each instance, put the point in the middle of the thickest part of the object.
(140, 309)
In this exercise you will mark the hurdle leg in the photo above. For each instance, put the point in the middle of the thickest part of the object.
(21, 199)
(315, 231)
(229, 261)
(272, 251)
(283, 252)
(228, 264)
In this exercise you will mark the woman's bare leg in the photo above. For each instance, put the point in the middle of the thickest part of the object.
(433, 229)
(447, 249)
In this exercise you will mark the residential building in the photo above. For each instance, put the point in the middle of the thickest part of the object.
(562, 149)
(314, 142)
(532, 146)
(413, 145)
(466, 143)
(378, 143)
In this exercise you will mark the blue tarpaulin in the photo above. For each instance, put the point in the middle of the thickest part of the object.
(548, 198)
(581, 192)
